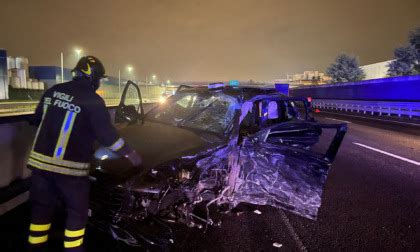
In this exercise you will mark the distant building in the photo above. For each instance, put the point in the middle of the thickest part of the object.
(377, 70)
(373, 71)
(307, 78)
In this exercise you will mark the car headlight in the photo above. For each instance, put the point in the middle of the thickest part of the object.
(162, 100)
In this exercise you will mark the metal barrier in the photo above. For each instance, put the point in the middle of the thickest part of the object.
(410, 109)
(27, 108)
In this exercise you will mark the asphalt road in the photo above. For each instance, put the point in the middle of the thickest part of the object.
(371, 202)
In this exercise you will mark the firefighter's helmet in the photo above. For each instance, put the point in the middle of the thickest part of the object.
(91, 68)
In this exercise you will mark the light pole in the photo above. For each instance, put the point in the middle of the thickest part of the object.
(119, 82)
(154, 78)
(129, 70)
(78, 52)
(62, 67)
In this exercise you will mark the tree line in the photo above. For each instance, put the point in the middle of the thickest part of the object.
(406, 62)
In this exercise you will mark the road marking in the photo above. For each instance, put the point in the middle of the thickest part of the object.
(389, 154)
(336, 120)
(370, 118)
(292, 231)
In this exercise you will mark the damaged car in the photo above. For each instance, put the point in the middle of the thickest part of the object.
(208, 149)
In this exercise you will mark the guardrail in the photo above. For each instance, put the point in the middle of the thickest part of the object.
(410, 109)
(27, 108)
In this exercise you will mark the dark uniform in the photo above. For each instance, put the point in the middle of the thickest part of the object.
(71, 116)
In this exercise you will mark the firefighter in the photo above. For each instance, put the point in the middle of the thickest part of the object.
(70, 117)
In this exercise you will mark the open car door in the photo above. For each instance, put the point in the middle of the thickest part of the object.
(275, 166)
(130, 108)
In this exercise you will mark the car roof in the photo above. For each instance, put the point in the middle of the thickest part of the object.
(243, 93)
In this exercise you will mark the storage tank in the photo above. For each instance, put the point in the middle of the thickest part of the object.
(35, 84)
(22, 63)
(29, 84)
(14, 82)
(4, 79)
(11, 63)
(41, 85)
(21, 74)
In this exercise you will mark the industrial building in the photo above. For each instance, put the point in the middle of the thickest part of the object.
(376, 70)
(372, 71)
(15, 80)
(20, 81)
(307, 78)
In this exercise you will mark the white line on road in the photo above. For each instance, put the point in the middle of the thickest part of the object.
(336, 120)
(389, 154)
(292, 231)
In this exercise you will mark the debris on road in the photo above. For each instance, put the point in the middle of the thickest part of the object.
(257, 211)
(277, 245)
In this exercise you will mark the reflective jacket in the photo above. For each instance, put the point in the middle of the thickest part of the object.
(70, 117)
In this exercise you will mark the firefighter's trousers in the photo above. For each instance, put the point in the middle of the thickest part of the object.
(46, 189)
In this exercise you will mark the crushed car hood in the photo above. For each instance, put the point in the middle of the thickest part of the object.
(158, 143)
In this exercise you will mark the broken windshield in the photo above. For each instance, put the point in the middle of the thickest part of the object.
(211, 112)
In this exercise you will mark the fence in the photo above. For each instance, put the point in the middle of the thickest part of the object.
(409, 109)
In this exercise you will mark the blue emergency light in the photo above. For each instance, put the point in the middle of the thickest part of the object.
(234, 83)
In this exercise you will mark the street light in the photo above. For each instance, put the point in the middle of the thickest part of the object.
(168, 82)
(153, 79)
(129, 70)
(78, 52)
(62, 66)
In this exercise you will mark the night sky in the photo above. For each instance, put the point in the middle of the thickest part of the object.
(207, 40)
